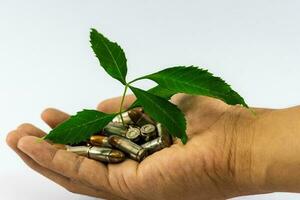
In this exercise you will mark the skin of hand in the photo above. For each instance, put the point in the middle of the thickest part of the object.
(230, 152)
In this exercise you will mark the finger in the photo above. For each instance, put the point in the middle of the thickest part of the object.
(54, 117)
(113, 104)
(66, 163)
(24, 129)
(57, 178)
(67, 183)
(28, 129)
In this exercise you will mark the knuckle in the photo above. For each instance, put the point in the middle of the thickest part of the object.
(78, 164)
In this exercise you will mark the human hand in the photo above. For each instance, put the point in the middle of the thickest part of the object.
(224, 156)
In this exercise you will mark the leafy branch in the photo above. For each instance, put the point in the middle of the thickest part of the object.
(170, 81)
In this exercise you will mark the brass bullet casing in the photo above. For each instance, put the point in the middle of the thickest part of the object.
(163, 133)
(79, 150)
(156, 144)
(99, 140)
(133, 134)
(164, 140)
(102, 154)
(130, 116)
(126, 118)
(134, 151)
(161, 130)
(148, 131)
(135, 114)
(114, 128)
(143, 120)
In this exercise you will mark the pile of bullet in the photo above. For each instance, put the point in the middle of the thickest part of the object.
(137, 138)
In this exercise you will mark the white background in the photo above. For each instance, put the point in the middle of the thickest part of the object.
(46, 60)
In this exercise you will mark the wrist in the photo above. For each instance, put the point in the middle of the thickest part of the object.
(251, 161)
(243, 155)
(280, 148)
(268, 150)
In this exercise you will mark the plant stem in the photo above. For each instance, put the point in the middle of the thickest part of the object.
(122, 102)
(136, 80)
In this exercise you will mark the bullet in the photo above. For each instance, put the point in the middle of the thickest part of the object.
(79, 150)
(126, 118)
(135, 114)
(156, 145)
(102, 154)
(114, 128)
(134, 151)
(129, 117)
(99, 140)
(143, 120)
(163, 133)
(133, 134)
(148, 131)
(164, 140)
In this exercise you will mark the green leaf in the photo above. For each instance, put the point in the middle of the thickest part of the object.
(161, 92)
(164, 112)
(158, 91)
(196, 81)
(80, 127)
(111, 56)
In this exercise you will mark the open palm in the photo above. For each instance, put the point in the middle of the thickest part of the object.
(204, 168)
